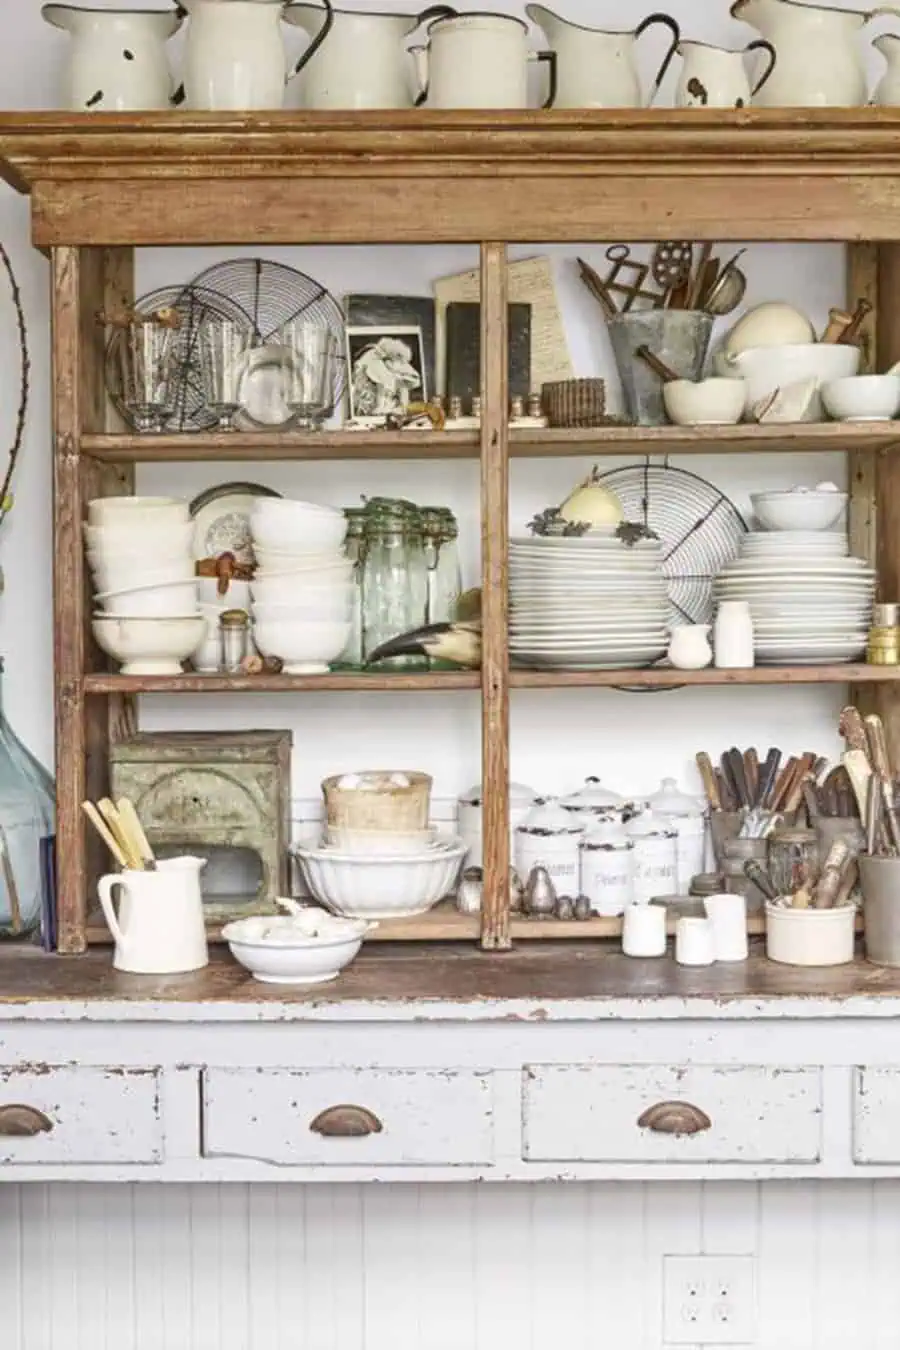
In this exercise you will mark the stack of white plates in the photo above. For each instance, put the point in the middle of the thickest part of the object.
(811, 603)
(589, 603)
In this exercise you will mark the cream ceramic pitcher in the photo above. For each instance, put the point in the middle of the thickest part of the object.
(819, 62)
(159, 929)
(598, 69)
(478, 60)
(364, 63)
(713, 77)
(117, 61)
(234, 54)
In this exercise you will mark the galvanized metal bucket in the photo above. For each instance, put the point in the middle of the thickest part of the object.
(679, 337)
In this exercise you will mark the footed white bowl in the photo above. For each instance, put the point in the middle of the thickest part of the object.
(798, 510)
(146, 646)
(309, 947)
(305, 646)
(360, 886)
(172, 600)
(863, 398)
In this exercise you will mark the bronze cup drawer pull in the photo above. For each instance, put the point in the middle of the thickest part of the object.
(346, 1122)
(675, 1118)
(23, 1122)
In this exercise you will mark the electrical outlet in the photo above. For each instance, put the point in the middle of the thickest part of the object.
(709, 1300)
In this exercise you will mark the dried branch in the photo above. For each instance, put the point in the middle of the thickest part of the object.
(5, 499)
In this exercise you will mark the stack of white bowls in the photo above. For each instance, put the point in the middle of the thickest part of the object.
(140, 553)
(303, 590)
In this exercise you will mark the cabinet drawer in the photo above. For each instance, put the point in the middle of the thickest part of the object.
(876, 1112)
(349, 1117)
(662, 1114)
(68, 1114)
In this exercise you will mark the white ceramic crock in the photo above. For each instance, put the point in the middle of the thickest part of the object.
(117, 61)
(469, 819)
(607, 867)
(655, 856)
(688, 816)
(549, 838)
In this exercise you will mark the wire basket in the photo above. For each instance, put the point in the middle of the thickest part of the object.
(575, 403)
(699, 527)
(187, 403)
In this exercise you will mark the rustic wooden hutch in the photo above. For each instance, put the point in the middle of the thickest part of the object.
(102, 185)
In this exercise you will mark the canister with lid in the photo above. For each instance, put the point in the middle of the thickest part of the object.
(549, 837)
(469, 818)
(593, 800)
(607, 866)
(655, 855)
(689, 818)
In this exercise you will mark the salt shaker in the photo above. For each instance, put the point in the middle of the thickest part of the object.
(234, 640)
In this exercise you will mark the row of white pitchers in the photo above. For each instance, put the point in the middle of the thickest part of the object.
(235, 59)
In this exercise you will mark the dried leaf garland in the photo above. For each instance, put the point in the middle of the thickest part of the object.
(6, 499)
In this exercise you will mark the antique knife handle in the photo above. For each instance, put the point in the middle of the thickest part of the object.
(23, 1122)
(346, 1122)
(675, 1118)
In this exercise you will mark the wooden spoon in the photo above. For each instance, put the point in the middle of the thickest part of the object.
(665, 373)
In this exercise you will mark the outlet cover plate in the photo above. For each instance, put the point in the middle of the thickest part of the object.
(709, 1300)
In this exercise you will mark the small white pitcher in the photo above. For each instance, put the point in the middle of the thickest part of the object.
(159, 929)
(713, 77)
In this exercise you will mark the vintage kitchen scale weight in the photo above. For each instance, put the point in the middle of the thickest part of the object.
(211, 793)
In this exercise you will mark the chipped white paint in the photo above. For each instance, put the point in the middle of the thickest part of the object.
(590, 1113)
(98, 1115)
(876, 1116)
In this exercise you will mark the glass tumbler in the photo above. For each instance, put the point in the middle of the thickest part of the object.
(144, 353)
(311, 376)
(224, 347)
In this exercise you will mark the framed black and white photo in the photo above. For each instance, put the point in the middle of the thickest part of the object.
(393, 311)
(386, 369)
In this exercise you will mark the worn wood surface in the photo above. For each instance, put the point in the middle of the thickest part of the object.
(862, 462)
(349, 681)
(495, 596)
(556, 442)
(404, 981)
(887, 702)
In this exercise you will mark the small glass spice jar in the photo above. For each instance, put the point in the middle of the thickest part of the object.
(793, 859)
(234, 640)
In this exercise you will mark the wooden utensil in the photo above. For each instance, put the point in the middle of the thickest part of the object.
(878, 755)
(859, 771)
(853, 729)
(726, 793)
(783, 784)
(697, 281)
(850, 334)
(107, 809)
(708, 778)
(597, 287)
(751, 773)
(831, 876)
(872, 814)
(735, 761)
(130, 821)
(104, 832)
(838, 320)
(794, 794)
(767, 776)
(665, 373)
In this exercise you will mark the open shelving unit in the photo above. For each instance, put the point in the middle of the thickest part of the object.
(102, 185)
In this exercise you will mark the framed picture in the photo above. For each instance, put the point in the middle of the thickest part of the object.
(391, 311)
(386, 370)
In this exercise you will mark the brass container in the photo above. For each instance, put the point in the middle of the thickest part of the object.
(884, 647)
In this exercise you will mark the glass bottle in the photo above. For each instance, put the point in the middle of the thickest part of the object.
(355, 549)
(395, 589)
(27, 817)
(439, 532)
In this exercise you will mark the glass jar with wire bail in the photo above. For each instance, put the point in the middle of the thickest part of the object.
(439, 535)
(355, 548)
(395, 590)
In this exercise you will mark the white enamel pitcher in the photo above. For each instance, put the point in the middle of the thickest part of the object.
(364, 63)
(713, 77)
(478, 60)
(117, 61)
(235, 58)
(596, 68)
(819, 62)
(159, 929)
(887, 91)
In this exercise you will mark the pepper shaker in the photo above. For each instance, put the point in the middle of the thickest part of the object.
(234, 640)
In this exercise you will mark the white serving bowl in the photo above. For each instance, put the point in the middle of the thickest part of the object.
(765, 369)
(310, 947)
(798, 510)
(862, 398)
(149, 646)
(167, 600)
(140, 537)
(281, 560)
(317, 609)
(712, 402)
(236, 597)
(379, 843)
(149, 572)
(285, 587)
(296, 527)
(371, 887)
(305, 647)
(117, 511)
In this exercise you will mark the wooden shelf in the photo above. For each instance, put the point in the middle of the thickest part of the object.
(435, 681)
(219, 446)
(339, 681)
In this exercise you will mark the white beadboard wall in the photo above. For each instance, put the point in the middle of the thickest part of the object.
(148, 1267)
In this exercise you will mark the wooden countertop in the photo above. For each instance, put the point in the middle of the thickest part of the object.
(445, 983)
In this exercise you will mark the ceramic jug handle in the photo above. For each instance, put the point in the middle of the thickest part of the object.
(668, 22)
(552, 61)
(104, 890)
(421, 56)
(762, 46)
(317, 41)
(437, 12)
(881, 11)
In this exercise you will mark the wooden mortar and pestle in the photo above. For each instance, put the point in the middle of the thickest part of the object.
(716, 401)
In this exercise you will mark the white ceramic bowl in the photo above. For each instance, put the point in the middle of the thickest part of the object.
(126, 510)
(297, 528)
(236, 597)
(810, 937)
(172, 600)
(379, 843)
(862, 398)
(132, 574)
(798, 510)
(281, 560)
(305, 609)
(149, 646)
(282, 588)
(305, 647)
(140, 537)
(765, 369)
(712, 402)
(308, 948)
(371, 887)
